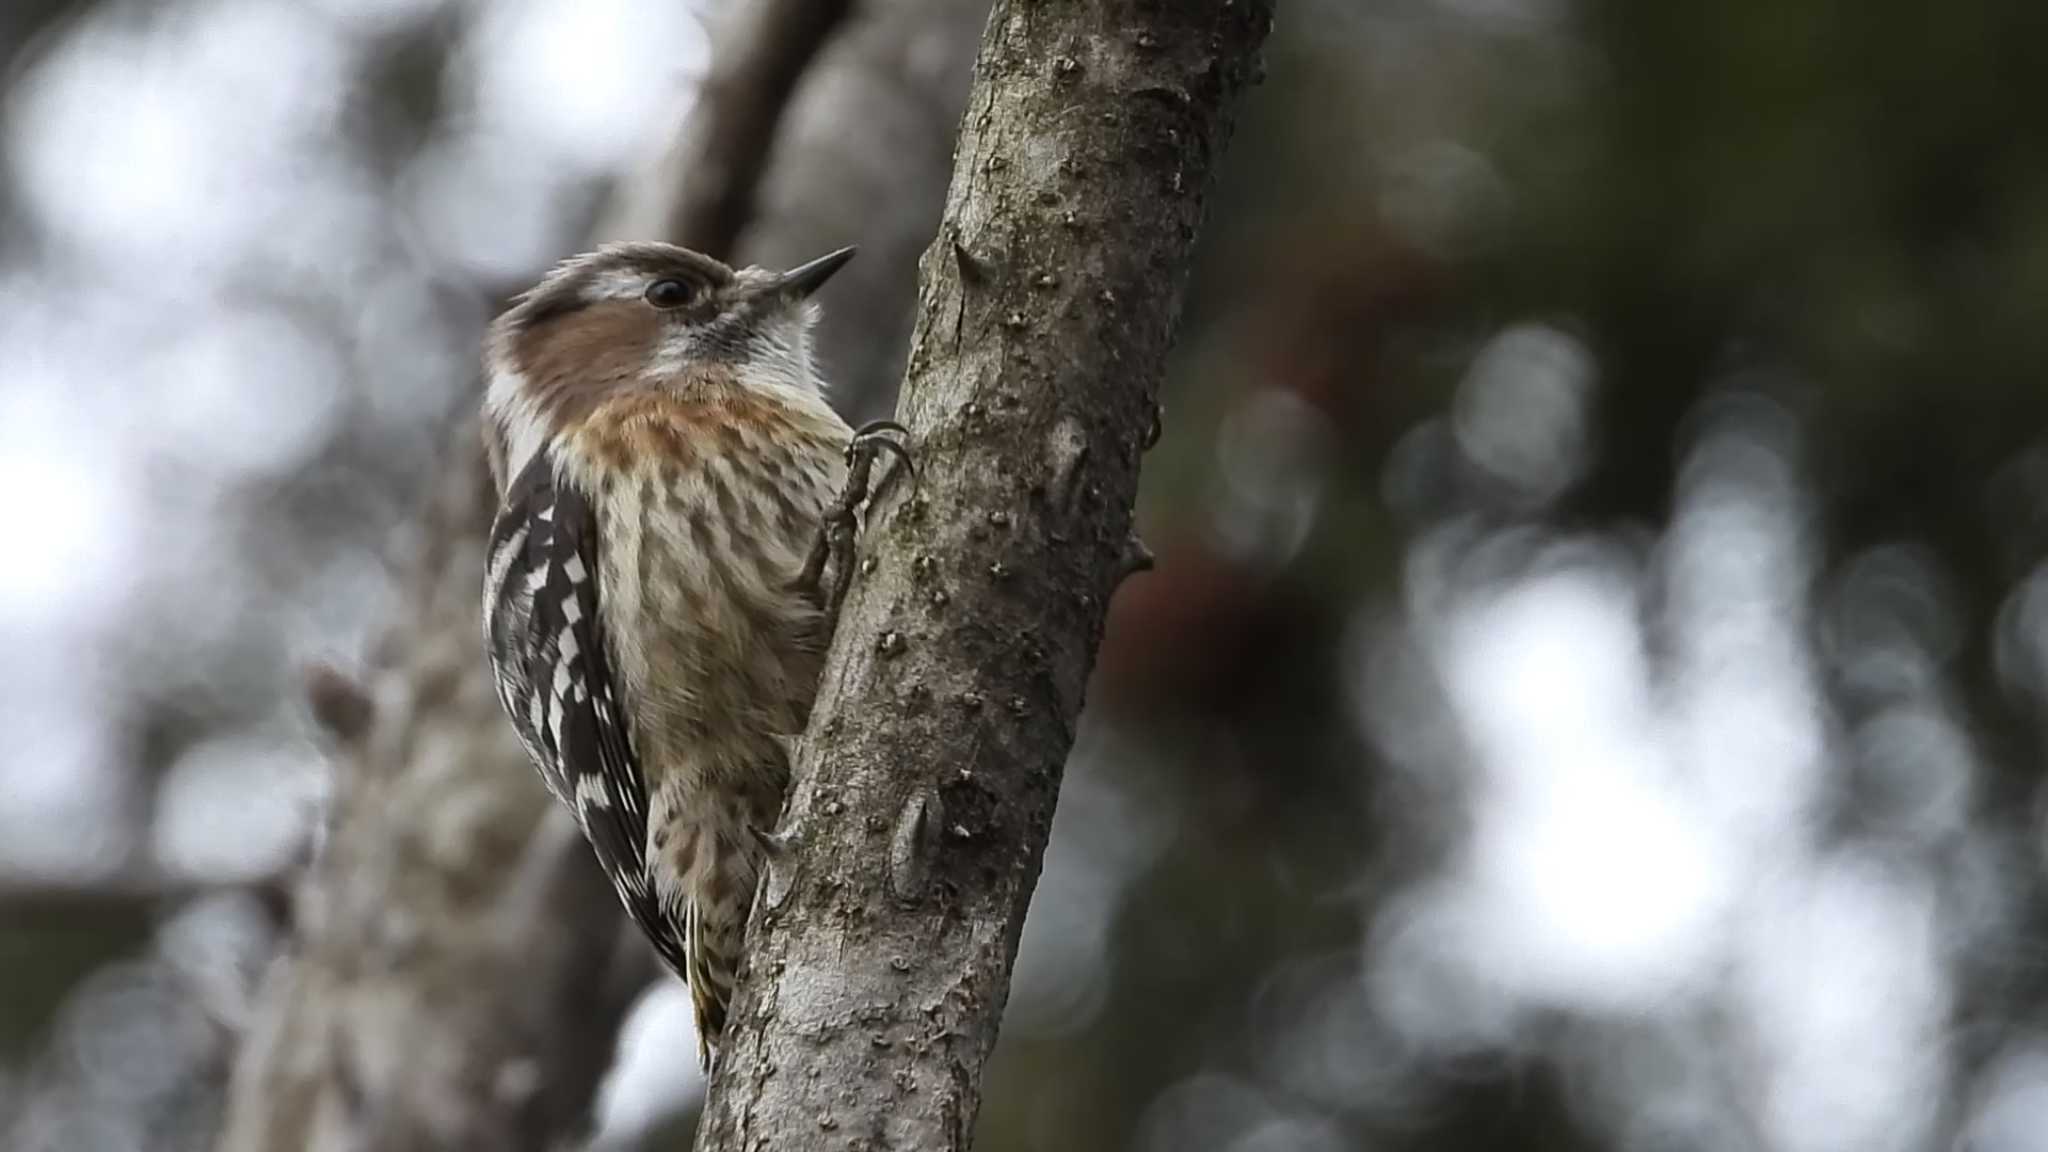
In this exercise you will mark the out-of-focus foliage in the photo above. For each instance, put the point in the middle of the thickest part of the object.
(1591, 695)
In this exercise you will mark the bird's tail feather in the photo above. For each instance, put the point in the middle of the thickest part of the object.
(719, 897)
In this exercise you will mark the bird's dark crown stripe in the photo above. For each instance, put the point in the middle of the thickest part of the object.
(565, 290)
(551, 301)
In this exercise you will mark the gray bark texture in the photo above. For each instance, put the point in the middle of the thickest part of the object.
(879, 955)
(459, 969)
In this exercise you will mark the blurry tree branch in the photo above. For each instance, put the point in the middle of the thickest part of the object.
(22, 20)
(878, 962)
(137, 891)
(712, 173)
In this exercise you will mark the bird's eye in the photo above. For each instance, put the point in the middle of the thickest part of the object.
(669, 293)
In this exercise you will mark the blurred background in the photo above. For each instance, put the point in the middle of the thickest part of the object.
(1594, 689)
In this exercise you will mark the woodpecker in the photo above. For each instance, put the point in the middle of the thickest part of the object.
(676, 504)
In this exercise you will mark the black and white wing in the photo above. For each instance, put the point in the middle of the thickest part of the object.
(547, 648)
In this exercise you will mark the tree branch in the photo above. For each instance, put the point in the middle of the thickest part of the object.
(879, 955)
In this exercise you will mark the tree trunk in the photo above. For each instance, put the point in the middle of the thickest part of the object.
(879, 956)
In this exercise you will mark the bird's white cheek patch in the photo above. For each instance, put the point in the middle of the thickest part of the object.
(508, 404)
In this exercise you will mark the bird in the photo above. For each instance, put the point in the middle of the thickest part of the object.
(676, 504)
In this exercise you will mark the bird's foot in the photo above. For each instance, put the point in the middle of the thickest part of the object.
(776, 847)
(828, 570)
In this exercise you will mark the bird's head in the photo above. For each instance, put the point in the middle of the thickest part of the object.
(643, 315)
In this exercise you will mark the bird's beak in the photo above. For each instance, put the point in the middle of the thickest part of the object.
(805, 279)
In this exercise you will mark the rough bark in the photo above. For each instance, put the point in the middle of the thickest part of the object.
(879, 957)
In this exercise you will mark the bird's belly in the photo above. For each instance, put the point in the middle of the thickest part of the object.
(718, 649)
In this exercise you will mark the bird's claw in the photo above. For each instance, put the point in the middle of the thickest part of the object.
(833, 548)
(773, 846)
(871, 441)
